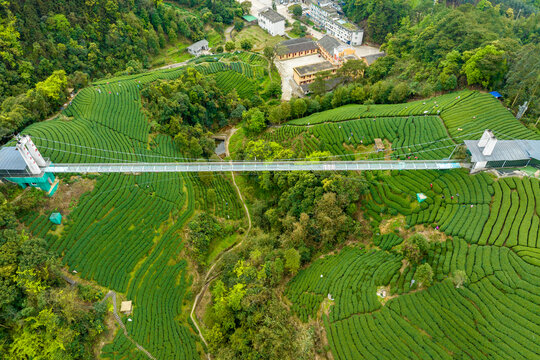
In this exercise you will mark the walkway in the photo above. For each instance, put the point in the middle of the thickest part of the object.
(257, 166)
(208, 279)
(119, 321)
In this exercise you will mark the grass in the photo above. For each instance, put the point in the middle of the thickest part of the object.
(293, 35)
(236, 141)
(214, 38)
(258, 37)
(217, 247)
(173, 54)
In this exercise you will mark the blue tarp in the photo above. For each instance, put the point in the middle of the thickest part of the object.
(420, 197)
(56, 218)
(496, 94)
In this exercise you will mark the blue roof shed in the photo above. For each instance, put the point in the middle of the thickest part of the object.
(496, 94)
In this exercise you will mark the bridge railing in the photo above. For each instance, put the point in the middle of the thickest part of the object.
(255, 166)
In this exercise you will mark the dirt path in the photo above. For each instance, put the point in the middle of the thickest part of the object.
(112, 294)
(172, 66)
(119, 321)
(208, 278)
(228, 32)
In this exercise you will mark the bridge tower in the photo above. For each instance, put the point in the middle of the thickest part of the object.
(24, 165)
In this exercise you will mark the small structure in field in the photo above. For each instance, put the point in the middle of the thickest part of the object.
(198, 47)
(250, 19)
(56, 218)
(126, 307)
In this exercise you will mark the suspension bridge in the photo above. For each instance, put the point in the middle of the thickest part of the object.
(23, 163)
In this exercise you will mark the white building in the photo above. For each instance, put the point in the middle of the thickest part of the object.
(272, 22)
(322, 11)
(345, 31)
(324, 14)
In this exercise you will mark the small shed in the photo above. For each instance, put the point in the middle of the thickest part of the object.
(379, 145)
(421, 197)
(250, 19)
(126, 307)
(56, 218)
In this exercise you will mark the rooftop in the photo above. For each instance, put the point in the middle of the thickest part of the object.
(198, 45)
(126, 306)
(370, 59)
(328, 43)
(272, 15)
(505, 150)
(313, 68)
(329, 9)
(249, 18)
(11, 162)
(296, 45)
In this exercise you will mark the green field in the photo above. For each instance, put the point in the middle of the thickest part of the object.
(424, 129)
(493, 317)
(490, 227)
(127, 234)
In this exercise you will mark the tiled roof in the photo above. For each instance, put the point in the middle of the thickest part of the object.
(296, 45)
(328, 43)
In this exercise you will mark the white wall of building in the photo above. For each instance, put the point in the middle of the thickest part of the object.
(334, 28)
(273, 29)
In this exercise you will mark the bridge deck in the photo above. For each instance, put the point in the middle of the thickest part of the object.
(255, 166)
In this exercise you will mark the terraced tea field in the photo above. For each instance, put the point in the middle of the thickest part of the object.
(493, 317)
(127, 234)
(485, 226)
(425, 129)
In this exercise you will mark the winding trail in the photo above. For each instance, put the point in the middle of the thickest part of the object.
(112, 294)
(119, 321)
(208, 278)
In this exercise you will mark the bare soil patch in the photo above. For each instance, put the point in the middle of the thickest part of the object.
(67, 196)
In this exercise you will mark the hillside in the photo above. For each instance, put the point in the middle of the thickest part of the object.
(126, 234)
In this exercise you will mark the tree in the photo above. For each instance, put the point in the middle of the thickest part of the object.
(460, 278)
(424, 275)
(254, 121)
(298, 29)
(415, 248)
(202, 230)
(246, 45)
(219, 49)
(296, 10)
(275, 115)
(299, 107)
(246, 7)
(269, 52)
(292, 260)
(485, 66)
(54, 86)
(330, 219)
(274, 89)
(318, 86)
(230, 46)
(352, 70)
(238, 25)
(399, 93)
